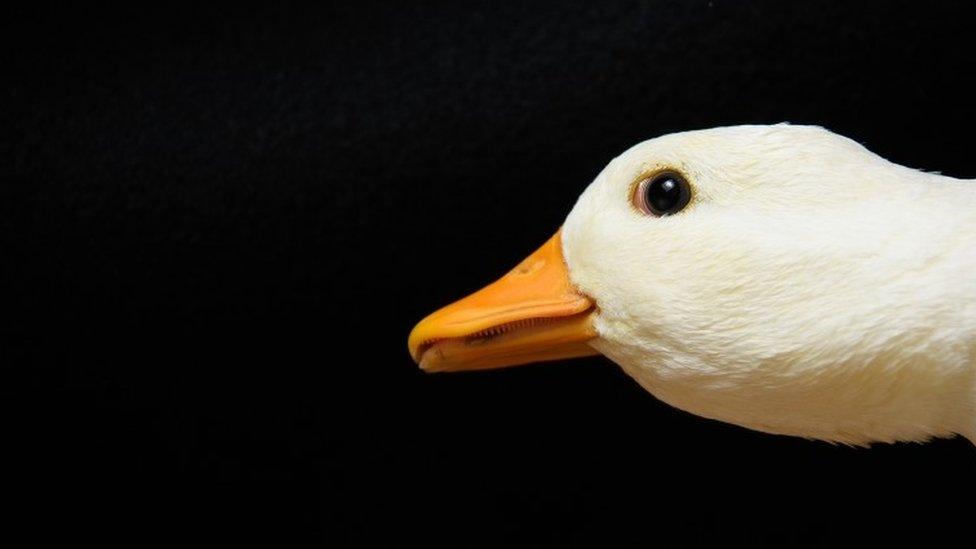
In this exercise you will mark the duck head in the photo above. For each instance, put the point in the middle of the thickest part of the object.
(782, 278)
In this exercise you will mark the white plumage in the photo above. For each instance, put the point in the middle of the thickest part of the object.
(809, 288)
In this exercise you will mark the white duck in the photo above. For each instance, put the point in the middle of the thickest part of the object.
(782, 278)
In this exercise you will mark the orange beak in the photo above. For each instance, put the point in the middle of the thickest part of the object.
(531, 314)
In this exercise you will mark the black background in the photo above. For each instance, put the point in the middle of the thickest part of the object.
(218, 226)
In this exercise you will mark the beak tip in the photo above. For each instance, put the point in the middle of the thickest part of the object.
(427, 365)
(423, 360)
(413, 344)
(428, 360)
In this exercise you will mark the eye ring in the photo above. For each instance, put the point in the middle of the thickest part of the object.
(663, 193)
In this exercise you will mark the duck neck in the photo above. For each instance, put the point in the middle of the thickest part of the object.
(960, 203)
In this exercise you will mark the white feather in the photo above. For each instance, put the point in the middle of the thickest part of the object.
(810, 288)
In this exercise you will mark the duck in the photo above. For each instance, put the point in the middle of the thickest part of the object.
(782, 278)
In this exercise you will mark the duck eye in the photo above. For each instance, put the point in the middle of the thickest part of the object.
(662, 194)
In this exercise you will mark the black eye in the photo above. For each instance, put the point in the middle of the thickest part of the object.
(665, 193)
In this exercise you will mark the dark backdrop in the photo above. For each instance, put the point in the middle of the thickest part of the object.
(218, 226)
